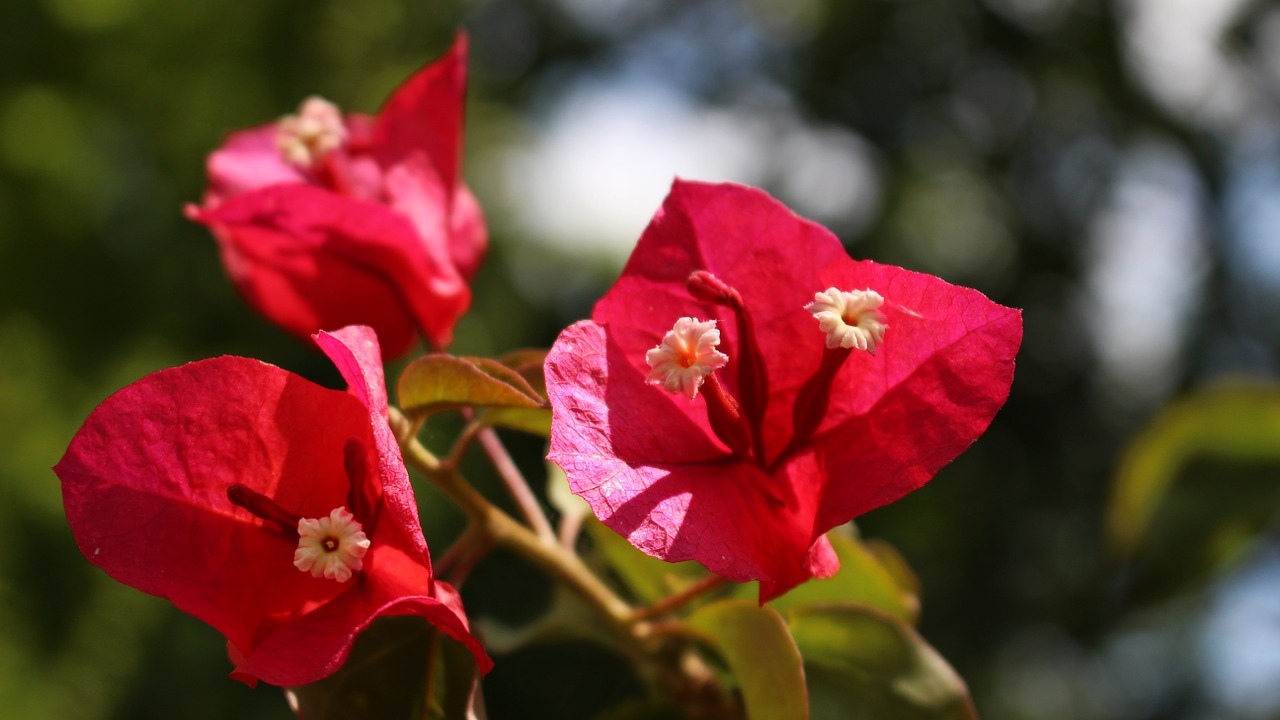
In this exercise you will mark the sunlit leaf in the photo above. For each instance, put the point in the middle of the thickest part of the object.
(871, 575)
(442, 382)
(535, 421)
(863, 663)
(648, 578)
(764, 660)
(896, 565)
(561, 497)
(1232, 423)
(385, 676)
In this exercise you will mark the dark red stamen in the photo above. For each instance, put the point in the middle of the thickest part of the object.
(812, 402)
(260, 505)
(726, 418)
(330, 170)
(355, 462)
(708, 288)
(753, 380)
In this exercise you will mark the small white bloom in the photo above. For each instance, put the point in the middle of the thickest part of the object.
(331, 547)
(850, 319)
(316, 129)
(686, 356)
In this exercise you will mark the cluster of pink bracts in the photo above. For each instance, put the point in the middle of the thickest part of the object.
(806, 388)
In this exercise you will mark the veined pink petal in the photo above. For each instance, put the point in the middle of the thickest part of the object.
(146, 480)
(754, 244)
(885, 424)
(682, 496)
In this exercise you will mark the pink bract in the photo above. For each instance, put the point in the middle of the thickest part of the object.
(653, 467)
(145, 484)
(380, 231)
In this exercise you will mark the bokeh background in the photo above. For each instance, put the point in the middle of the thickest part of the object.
(1110, 166)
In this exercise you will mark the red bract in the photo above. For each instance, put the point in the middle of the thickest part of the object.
(788, 438)
(189, 484)
(325, 220)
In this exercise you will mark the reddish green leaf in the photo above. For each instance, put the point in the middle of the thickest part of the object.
(528, 363)
(859, 657)
(442, 382)
(764, 660)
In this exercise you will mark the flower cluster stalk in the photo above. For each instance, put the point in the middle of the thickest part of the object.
(504, 531)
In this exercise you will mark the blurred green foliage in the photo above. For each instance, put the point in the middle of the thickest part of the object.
(999, 132)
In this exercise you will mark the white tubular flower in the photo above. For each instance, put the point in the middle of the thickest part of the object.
(850, 319)
(686, 356)
(331, 547)
(316, 129)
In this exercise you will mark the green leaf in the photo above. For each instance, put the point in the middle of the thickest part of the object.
(535, 421)
(864, 663)
(870, 574)
(561, 497)
(764, 660)
(896, 565)
(648, 578)
(385, 676)
(1236, 423)
(434, 383)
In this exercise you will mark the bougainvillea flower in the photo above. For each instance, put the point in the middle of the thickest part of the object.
(273, 509)
(325, 220)
(846, 386)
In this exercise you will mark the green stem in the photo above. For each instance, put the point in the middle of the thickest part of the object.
(516, 484)
(505, 532)
(457, 559)
(464, 441)
(644, 642)
(674, 602)
(570, 527)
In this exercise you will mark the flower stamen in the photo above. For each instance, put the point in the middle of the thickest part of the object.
(850, 319)
(317, 129)
(686, 356)
(331, 547)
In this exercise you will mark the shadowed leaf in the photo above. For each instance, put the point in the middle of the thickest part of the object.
(385, 674)
(863, 663)
(1232, 423)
